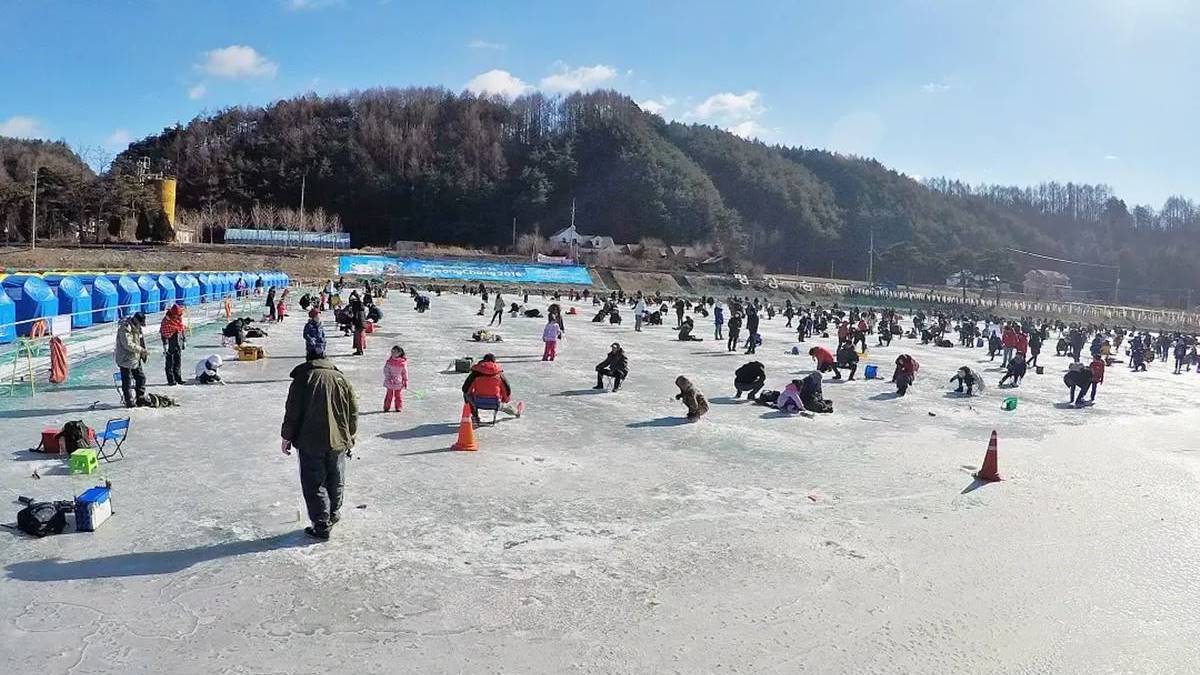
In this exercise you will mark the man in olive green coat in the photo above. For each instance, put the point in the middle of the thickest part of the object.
(320, 420)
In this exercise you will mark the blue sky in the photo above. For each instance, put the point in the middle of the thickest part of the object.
(1010, 92)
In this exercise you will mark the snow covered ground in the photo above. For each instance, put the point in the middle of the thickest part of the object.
(597, 534)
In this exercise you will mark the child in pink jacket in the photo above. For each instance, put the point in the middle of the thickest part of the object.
(550, 335)
(395, 379)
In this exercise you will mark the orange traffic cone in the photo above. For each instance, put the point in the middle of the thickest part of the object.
(990, 472)
(466, 431)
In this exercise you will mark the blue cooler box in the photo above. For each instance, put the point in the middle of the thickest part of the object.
(92, 508)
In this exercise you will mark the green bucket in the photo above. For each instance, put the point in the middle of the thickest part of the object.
(1010, 403)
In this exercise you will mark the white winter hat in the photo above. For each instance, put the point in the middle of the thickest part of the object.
(215, 361)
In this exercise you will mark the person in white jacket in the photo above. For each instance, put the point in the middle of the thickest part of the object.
(206, 370)
(639, 313)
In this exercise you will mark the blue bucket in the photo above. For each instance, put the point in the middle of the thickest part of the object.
(870, 372)
(979, 342)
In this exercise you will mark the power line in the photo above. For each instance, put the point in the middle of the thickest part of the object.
(1062, 260)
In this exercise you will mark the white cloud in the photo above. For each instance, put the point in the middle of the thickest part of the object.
(119, 138)
(499, 82)
(652, 106)
(727, 107)
(484, 44)
(583, 78)
(935, 87)
(198, 91)
(749, 129)
(19, 126)
(237, 61)
(1111, 158)
(307, 5)
(736, 113)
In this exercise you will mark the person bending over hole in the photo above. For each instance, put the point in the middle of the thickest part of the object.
(969, 379)
(905, 373)
(804, 394)
(207, 370)
(685, 331)
(847, 357)
(749, 378)
(825, 361)
(692, 397)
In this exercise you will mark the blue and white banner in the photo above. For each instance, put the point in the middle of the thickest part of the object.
(529, 273)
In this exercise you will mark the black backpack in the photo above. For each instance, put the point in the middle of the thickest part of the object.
(42, 518)
(75, 435)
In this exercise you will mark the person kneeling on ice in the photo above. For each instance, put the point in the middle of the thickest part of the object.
(692, 397)
(969, 379)
(1015, 370)
(206, 370)
(487, 387)
(615, 365)
(905, 373)
(804, 394)
(685, 331)
(1079, 376)
(749, 378)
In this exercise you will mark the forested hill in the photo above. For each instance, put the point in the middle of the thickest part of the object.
(429, 164)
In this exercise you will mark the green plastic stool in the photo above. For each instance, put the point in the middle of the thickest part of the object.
(83, 461)
(1009, 404)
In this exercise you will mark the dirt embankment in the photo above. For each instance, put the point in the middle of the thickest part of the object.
(307, 263)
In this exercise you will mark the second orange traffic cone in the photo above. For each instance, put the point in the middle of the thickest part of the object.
(466, 431)
(990, 471)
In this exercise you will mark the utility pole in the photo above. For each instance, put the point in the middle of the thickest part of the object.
(303, 185)
(871, 260)
(1117, 287)
(962, 276)
(514, 244)
(830, 269)
(33, 230)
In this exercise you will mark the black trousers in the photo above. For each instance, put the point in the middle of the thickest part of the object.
(733, 339)
(133, 379)
(602, 372)
(497, 318)
(173, 366)
(752, 387)
(321, 480)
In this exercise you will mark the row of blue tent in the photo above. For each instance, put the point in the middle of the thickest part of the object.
(90, 298)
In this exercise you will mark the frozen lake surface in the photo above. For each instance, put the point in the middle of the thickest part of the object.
(597, 534)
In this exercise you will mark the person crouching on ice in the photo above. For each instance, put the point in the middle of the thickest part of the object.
(749, 378)
(804, 394)
(1015, 370)
(207, 370)
(969, 379)
(692, 397)
(905, 373)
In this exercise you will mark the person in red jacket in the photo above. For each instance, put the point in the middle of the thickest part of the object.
(1008, 340)
(1097, 368)
(485, 383)
(825, 361)
(1022, 344)
(906, 372)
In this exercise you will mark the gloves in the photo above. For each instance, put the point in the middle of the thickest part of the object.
(285, 446)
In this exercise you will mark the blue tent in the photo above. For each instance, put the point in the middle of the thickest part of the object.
(129, 294)
(251, 280)
(284, 278)
(268, 280)
(228, 280)
(166, 289)
(74, 300)
(104, 297)
(209, 287)
(151, 296)
(33, 299)
(8, 317)
(187, 289)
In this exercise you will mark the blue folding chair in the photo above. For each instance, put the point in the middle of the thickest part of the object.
(487, 403)
(116, 430)
(117, 384)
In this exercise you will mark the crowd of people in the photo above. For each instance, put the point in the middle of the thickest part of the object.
(321, 409)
